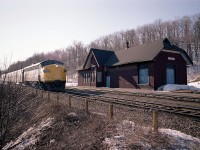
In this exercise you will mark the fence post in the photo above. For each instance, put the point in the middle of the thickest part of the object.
(155, 120)
(86, 105)
(111, 110)
(69, 97)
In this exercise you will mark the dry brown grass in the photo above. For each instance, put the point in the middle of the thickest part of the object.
(89, 131)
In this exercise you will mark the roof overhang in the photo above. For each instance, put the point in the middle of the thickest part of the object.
(88, 60)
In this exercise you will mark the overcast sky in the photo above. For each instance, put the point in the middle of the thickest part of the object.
(33, 26)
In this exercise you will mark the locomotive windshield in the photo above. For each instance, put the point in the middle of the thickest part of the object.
(50, 62)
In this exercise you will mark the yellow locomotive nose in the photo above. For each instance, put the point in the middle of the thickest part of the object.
(53, 73)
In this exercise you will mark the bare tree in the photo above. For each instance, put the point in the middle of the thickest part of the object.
(7, 104)
(184, 32)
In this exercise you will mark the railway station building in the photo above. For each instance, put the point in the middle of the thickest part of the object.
(146, 66)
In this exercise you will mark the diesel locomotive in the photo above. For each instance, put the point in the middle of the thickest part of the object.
(48, 75)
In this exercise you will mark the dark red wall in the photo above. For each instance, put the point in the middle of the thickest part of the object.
(126, 76)
(160, 68)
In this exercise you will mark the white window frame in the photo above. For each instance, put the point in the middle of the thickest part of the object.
(99, 76)
(84, 78)
(144, 69)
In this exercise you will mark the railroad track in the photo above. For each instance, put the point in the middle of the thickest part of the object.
(183, 105)
(186, 105)
(174, 96)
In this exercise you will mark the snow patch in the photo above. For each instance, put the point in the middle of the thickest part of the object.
(127, 129)
(72, 118)
(71, 84)
(127, 122)
(101, 114)
(118, 141)
(178, 134)
(29, 137)
(195, 84)
(72, 114)
(175, 87)
(52, 141)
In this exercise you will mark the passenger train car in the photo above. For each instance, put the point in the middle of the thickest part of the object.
(15, 76)
(49, 75)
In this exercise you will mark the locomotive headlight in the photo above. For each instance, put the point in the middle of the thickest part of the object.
(46, 70)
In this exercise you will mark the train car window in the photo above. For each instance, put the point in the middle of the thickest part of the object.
(50, 62)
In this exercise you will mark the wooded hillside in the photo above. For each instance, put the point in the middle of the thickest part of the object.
(183, 32)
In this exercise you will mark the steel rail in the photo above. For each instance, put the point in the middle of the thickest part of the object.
(184, 110)
(142, 94)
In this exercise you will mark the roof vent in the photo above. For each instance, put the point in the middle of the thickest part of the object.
(127, 44)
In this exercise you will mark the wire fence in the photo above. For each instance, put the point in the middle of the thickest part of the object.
(152, 119)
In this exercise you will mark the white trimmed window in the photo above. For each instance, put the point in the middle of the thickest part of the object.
(94, 76)
(143, 74)
(85, 77)
(88, 77)
(99, 76)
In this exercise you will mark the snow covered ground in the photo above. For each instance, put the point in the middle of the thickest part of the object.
(127, 130)
(126, 133)
(71, 84)
(194, 86)
(29, 137)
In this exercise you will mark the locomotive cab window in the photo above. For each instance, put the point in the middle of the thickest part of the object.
(50, 62)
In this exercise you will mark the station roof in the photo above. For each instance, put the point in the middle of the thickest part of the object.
(135, 54)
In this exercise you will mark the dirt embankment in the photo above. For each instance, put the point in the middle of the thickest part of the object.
(50, 125)
(40, 123)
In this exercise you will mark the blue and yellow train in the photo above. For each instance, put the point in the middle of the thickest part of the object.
(48, 75)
